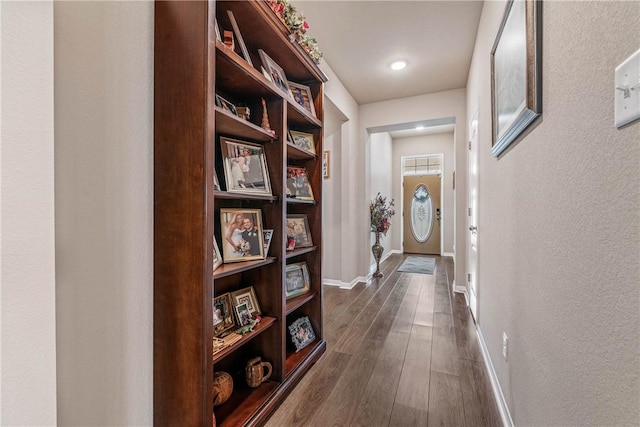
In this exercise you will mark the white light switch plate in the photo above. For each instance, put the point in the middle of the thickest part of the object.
(627, 90)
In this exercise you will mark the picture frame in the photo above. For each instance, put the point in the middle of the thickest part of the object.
(247, 296)
(301, 333)
(297, 280)
(298, 229)
(239, 39)
(301, 94)
(516, 73)
(267, 236)
(216, 182)
(242, 231)
(298, 186)
(226, 105)
(222, 314)
(217, 257)
(274, 72)
(218, 36)
(245, 167)
(304, 141)
(243, 315)
(325, 164)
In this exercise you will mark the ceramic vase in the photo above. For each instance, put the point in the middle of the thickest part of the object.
(377, 250)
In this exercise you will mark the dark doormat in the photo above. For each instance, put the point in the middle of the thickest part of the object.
(418, 264)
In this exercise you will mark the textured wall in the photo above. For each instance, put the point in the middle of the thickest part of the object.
(559, 225)
(104, 212)
(28, 271)
(381, 167)
(420, 145)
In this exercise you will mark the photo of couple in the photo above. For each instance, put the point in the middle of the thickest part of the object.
(243, 234)
(245, 167)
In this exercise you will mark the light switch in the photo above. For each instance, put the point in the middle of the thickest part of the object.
(627, 90)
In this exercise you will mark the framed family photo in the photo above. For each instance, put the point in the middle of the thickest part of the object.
(297, 279)
(236, 30)
(302, 95)
(222, 314)
(245, 167)
(516, 72)
(243, 314)
(274, 72)
(217, 258)
(267, 235)
(298, 230)
(242, 231)
(303, 141)
(301, 333)
(298, 186)
(226, 105)
(247, 296)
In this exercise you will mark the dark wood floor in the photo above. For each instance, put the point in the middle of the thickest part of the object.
(401, 351)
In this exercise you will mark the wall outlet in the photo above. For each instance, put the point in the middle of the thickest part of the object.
(505, 341)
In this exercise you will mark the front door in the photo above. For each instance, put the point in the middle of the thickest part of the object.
(422, 213)
(473, 217)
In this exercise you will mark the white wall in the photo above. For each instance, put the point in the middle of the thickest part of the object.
(104, 212)
(559, 226)
(441, 143)
(381, 167)
(425, 107)
(28, 391)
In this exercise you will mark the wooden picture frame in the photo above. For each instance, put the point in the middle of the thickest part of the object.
(267, 236)
(298, 229)
(242, 231)
(298, 186)
(245, 167)
(239, 39)
(275, 72)
(301, 333)
(297, 280)
(516, 72)
(301, 94)
(216, 182)
(217, 257)
(222, 314)
(247, 296)
(325, 164)
(304, 141)
(226, 105)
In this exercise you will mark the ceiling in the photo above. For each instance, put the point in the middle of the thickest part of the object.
(360, 39)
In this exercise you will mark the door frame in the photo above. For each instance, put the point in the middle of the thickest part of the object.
(473, 268)
(442, 196)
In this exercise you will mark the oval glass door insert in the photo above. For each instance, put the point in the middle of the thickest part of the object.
(421, 214)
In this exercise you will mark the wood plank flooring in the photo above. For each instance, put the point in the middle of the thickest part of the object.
(401, 351)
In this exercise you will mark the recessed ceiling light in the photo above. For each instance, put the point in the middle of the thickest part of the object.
(398, 65)
(419, 127)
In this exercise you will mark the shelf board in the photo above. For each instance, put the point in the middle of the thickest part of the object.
(295, 359)
(300, 251)
(230, 124)
(238, 267)
(300, 117)
(243, 403)
(264, 324)
(243, 196)
(299, 301)
(295, 152)
(300, 202)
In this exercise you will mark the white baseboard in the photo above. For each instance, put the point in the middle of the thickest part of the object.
(344, 285)
(507, 421)
(460, 289)
(447, 254)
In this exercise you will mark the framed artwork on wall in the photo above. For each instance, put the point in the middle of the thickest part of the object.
(516, 72)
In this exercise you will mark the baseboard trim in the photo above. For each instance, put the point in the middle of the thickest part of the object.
(447, 254)
(507, 421)
(459, 289)
(344, 285)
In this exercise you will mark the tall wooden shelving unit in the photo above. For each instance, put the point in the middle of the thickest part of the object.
(191, 66)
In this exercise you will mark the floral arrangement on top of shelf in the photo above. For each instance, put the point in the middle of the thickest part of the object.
(298, 26)
(381, 212)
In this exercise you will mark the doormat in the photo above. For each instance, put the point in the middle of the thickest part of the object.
(418, 264)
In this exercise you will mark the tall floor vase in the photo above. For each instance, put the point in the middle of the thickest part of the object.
(377, 250)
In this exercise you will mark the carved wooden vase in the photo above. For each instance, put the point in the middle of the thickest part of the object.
(377, 250)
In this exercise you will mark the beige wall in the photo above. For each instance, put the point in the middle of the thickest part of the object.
(104, 212)
(420, 145)
(381, 167)
(28, 339)
(559, 227)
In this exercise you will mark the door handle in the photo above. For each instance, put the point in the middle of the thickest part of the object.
(473, 228)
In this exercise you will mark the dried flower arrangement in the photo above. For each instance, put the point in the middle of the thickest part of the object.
(381, 213)
(298, 26)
